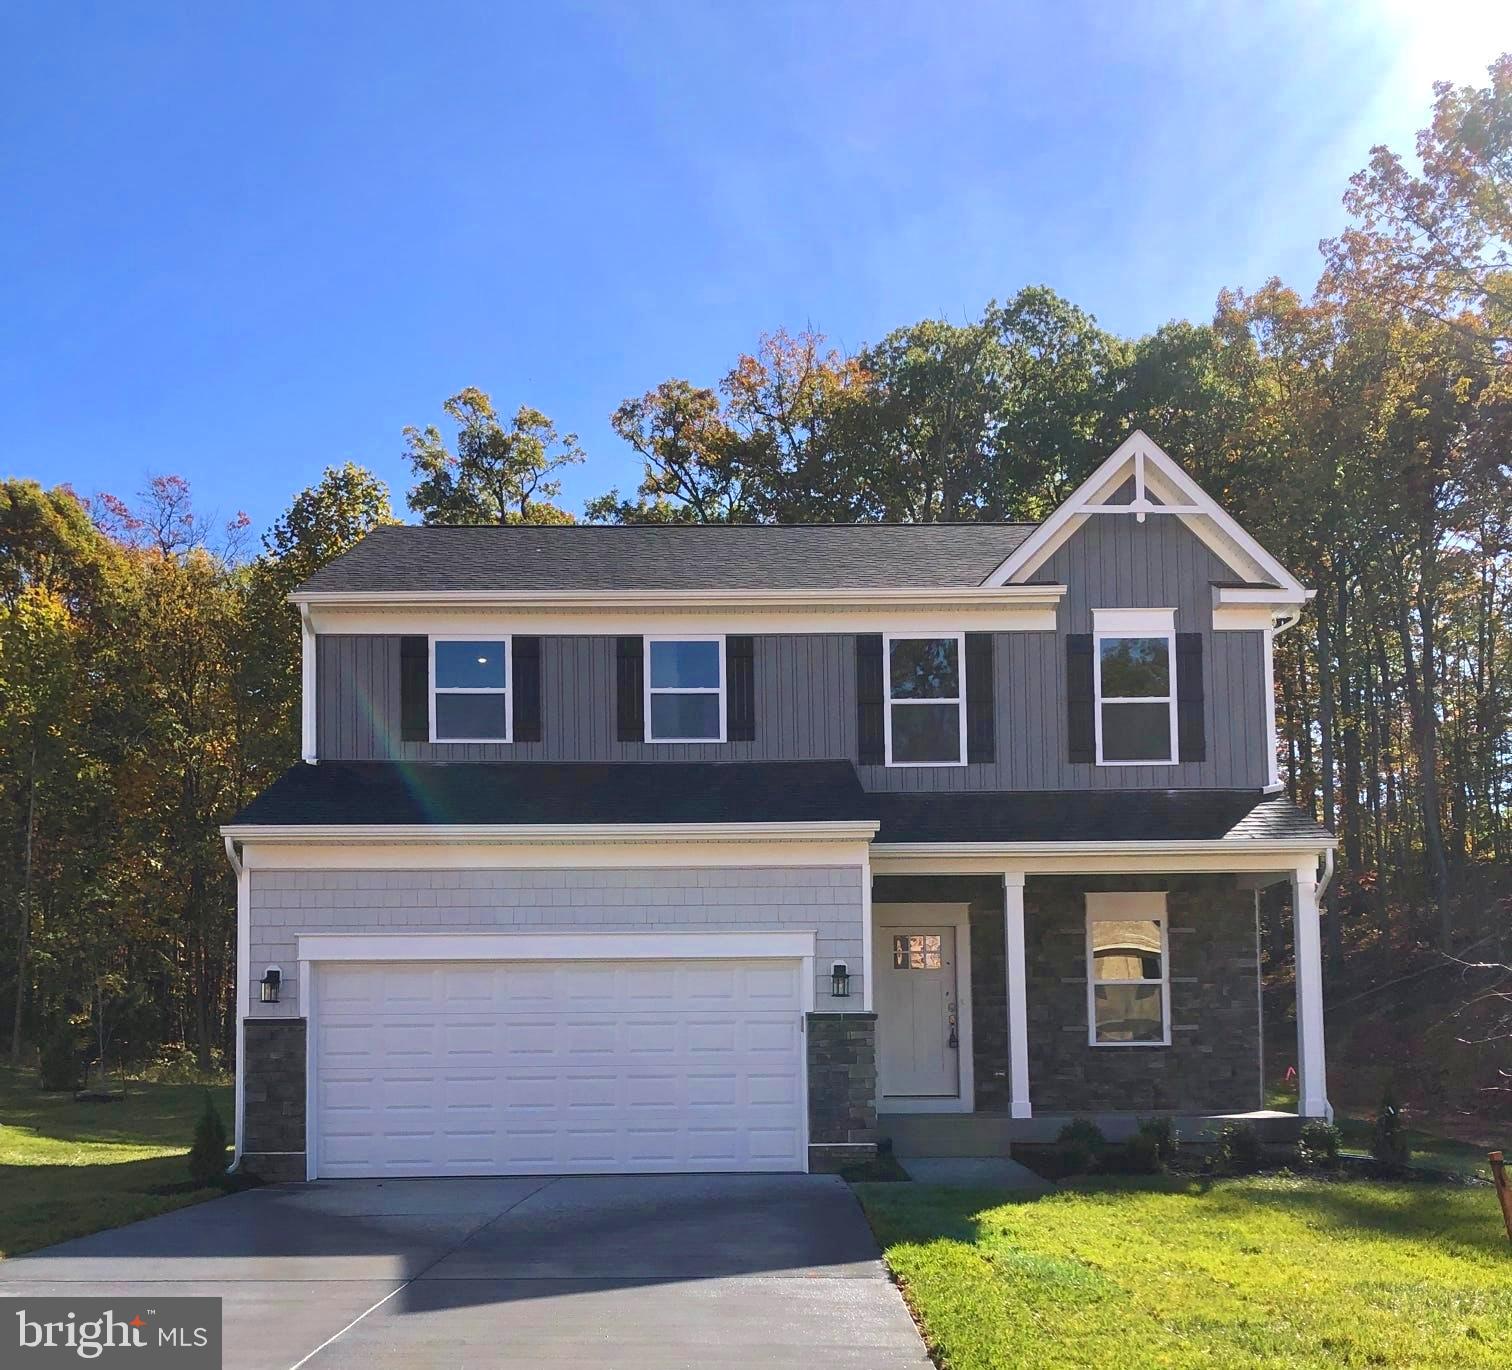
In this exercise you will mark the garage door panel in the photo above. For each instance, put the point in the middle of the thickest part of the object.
(551, 1068)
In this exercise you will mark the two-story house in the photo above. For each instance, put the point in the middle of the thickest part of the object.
(737, 848)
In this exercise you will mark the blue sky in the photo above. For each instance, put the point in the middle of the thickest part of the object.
(242, 242)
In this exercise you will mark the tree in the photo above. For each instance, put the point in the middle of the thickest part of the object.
(688, 455)
(1438, 245)
(498, 475)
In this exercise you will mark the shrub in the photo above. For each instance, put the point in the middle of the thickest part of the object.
(59, 1063)
(1238, 1149)
(1079, 1146)
(1141, 1154)
(1390, 1145)
(207, 1157)
(1318, 1143)
(1163, 1132)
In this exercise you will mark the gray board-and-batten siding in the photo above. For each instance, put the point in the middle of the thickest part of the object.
(805, 686)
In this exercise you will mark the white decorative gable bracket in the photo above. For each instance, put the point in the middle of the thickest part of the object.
(1160, 487)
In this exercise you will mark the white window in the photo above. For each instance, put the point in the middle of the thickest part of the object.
(685, 685)
(1128, 970)
(470, 696)
(1134, 670)
(925, 719)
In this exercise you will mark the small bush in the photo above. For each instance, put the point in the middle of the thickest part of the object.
(1318, 1143)
(1079, 1147)
(1390, 1146)
(1163, 1132)
(59, 1063)
(207, 1157)
(1238, 1149)
(1141, 1155)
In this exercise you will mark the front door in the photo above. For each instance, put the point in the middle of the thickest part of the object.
(918, 1042)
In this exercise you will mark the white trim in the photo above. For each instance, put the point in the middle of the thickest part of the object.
(243, 990)
(505, 642)
(1112, 625)
(1015, 970)
(889, 703)
(534, 834)
(1272, 738)
(308, 743)
(309, 1002)
(637, 601)
(973, 607)
(1139, 456)
(648, 689)
(868, 998)
(1312, 1074)
(554, 946)
(1129, 906)
(957, 917)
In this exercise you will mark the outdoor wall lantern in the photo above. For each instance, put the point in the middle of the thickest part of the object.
(840, 981)
(272, 978)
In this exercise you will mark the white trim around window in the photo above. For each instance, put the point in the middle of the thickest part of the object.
(649, 690)
(889, 703)
(1111, 624)
(1133, 906)
(507, 690)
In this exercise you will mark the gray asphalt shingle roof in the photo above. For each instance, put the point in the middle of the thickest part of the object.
(672, 557)
(393, 792)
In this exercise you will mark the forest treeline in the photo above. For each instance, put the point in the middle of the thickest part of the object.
(1360, 429)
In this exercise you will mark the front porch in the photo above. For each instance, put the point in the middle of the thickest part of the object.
(988, 1030)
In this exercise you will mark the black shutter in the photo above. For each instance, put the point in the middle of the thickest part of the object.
(1190, 731)
(629, 689)
(1081, 735)
(871, 745)
(740, 689)
(525, 681)
(981, 723)
(414, 689)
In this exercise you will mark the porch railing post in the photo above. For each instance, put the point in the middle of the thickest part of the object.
(1018, 1012)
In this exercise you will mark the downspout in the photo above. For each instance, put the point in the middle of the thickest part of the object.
(1328, 874)
(243, 999)
(1259, 998)
(307, 744)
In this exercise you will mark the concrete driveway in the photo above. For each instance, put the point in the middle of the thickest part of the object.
(636, 1271)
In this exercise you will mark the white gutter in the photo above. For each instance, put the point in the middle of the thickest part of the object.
(1230, 845)
(915, 596)
(520, 833)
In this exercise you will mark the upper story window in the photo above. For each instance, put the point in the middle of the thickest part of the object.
(1134, 664)
(925, 718)
(685, 689)
(470, 697)
(1128, 971)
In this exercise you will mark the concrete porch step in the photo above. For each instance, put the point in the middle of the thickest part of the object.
(947, 1134)
(993, 1134)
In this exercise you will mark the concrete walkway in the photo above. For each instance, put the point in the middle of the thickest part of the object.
(636, 1271)
(975, 1172)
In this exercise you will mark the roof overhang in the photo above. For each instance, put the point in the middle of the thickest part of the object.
(1219, 857)
(530, 834)
(1005, 607)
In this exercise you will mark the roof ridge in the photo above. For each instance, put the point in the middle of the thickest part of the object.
(666, 527)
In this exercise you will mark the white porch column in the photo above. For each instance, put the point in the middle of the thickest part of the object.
(1312, 1085)
(1018, 1013)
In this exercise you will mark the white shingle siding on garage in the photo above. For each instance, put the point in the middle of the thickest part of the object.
(827, 900)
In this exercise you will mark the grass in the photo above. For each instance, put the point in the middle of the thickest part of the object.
(1172, 1272)
(67, 1169)
(1430, 1150)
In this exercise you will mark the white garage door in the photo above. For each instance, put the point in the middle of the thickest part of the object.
(568, 1067)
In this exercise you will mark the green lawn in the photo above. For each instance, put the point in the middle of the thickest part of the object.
(67, 1168)
(1177, 1272)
